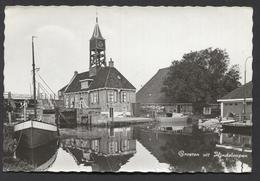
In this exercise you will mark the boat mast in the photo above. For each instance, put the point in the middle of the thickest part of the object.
(34, 83)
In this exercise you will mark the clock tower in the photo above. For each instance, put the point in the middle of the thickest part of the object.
(97, 55)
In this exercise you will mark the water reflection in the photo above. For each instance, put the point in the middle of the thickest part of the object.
(237, 149)
(180, 151)
(104, 149)
(40, 158)
(164, 147)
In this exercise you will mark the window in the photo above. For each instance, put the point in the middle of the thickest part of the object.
(67, 102)
(112, 146)
(94, 97)
(84, 84)
(81, 103)
(95, 145)
(76, 101)
(110, 96)
(123, 96)
(71, 102)
(111, 132)
(125, 132)
(125, 145)
(206, 110)
(115, 96)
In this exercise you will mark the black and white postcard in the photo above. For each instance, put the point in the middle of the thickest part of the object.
(128, 89)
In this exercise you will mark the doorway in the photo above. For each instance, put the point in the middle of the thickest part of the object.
(111, 112)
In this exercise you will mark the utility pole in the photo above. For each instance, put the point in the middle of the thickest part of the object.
(244, 102)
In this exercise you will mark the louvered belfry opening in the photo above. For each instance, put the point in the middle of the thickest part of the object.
(97, 57)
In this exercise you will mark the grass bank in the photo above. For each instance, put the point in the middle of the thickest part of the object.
(11, 164)
(9, 146)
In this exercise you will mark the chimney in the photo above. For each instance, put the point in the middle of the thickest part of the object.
(111, 63)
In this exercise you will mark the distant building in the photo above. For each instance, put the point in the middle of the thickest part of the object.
(153, 101)
(102, 89)
(232, 104)
(211, 110)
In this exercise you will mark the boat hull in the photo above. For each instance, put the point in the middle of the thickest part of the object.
(33, 134)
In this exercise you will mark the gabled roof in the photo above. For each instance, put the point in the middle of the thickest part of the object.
(151, 91)
(107, 77)
(238, 93)
(63, 88)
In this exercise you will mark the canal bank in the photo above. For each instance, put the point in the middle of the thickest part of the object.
(10, 161)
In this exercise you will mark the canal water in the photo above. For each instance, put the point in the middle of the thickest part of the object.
(155, 147)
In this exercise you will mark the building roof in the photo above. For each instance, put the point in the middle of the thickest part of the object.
(97, 33)
(238, 93)
(63, 88)
(151, 91)
(107, 77)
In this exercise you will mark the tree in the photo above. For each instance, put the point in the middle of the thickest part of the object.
(201, 77)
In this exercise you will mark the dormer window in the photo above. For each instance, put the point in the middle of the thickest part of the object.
(85, 83)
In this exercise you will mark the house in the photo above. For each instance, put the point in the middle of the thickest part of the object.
(153, 101)
(236, 102)
(211, 110)
(102, 91)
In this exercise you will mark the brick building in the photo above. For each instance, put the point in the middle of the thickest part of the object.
(101, 91)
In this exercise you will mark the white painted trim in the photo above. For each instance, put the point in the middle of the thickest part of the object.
(85, 80)
(104, 88)
(35, 124)
(234, 100)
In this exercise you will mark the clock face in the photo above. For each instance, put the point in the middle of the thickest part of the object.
(100, 44)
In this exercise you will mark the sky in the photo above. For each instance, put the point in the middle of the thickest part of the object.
(140, 40)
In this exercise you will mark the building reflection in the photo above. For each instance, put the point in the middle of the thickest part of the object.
(200, 148)
(236, 140)
(105, 149)
(236, 144)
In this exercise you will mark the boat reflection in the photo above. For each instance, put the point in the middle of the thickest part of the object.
(104, 149)
(41, 158)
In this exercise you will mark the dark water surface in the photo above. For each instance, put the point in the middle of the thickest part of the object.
(157, 147)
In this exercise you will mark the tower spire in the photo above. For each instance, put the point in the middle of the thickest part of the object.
(97, 50)
(96, 16)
